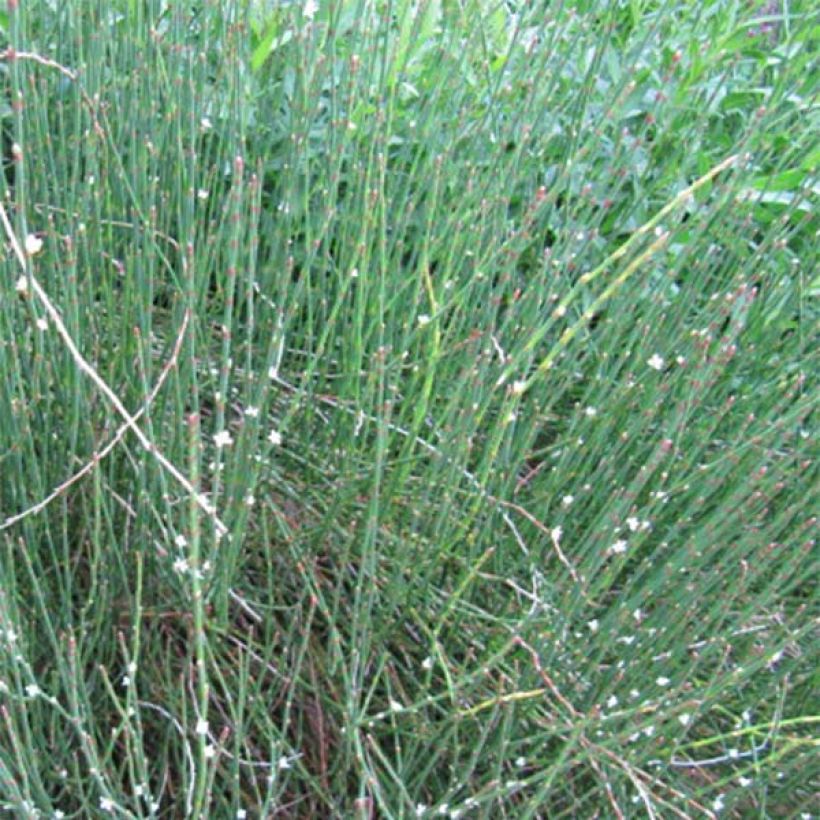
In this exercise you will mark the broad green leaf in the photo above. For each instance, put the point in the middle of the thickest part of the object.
(269, 43)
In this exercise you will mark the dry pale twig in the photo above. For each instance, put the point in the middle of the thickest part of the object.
(81, 362)
(99, 455)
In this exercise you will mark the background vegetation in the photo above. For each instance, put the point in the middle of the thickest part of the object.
(406, 409)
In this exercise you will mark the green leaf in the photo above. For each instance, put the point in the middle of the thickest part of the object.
(269, 43)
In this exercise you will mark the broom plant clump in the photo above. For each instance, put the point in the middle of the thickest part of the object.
(406, 409)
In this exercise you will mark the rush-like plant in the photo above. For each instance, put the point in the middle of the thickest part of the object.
(406, 409)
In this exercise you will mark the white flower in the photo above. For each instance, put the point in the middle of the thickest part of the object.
(591, 412)
(202, 727)
(210, 751)
(612, 702)
(593, 625)
(275, 438)
(106, 804)
(33, 690)
(395, 706)
(556, 533)
(223, 439)
(139, 790)
(181, 566)
(126, 681)
(42, 323)
(717, 803)
(518, 388)
(685, 719)
(202, 194)
(21, 285)
(309, 9)
(427, 663)
(745, 782)
(241, 814)
(656, 362)
(251, 412)
(205, 124)
(273, 372)
(423, 320)
(181, 541)
(283, 763)
(619, 547)
(662, 681)
(33, 244)
(567, 500)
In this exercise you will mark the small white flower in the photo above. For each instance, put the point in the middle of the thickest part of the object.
(126, 681)
(59, 814)
(283, 763)
(252, 412)
(395, 706)
(106, 804)
(421, 809)
(423, 320)
(202, 727)
(427, 663)
(181, 541)
(633, 524)
(21, 285)
(273, 372)
(567, 500)
(250, 500)
(205, 124)
(612, 702)
(685, 719)
(518, 388)
(139, 790)
(42, 323)
(662, 681)
(745, 782)
(593, 625)
(556, 533)
(275, 438)
(656, 362)
(33, 690)
(210, 751)
(33, 244)
(181, 566)
(241, 814)
(202, 194)
(309, 9)
(619, 547)
(717, 803)
(591, 412)
(223, 439)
